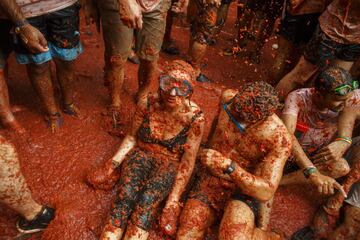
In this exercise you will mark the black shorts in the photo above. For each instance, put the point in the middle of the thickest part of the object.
(6, 43)
(299, 28)
(144, 184)
(60, 28)
(322, 50)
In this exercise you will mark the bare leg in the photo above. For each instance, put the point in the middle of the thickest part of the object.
(332, 169)
(41, 79)
(14, 191)
(65, 75)
(167, 35)
(135, 233)
(238, 223)
(115, 76)
(195, 219)
(278, 68)
(196, 54)
(147, 74)
(349, 229)
(111, 232)
(303, 71)
(264, 214)
(6, 115)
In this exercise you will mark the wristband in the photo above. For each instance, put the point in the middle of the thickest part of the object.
(230, 168)
(308, 171)
(344, 139)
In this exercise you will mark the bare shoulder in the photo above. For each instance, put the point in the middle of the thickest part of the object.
(228, 94)
(273, 127)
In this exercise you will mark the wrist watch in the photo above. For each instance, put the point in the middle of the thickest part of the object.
(230, 168)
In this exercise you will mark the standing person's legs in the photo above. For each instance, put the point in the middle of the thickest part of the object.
(148, 45)
(203, 22)
(168, 45)
(6, 115)
(118, 40)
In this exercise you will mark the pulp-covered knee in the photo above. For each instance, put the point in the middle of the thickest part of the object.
(116, 61)
(196, 215)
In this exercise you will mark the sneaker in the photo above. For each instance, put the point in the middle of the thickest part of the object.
(54, 121)
(40, 222)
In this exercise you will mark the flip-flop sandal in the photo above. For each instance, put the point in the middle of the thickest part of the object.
(305, 233)
(54, 121)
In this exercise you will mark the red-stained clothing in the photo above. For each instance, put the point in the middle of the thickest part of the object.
(341, 21)
(317, 127)
(148, 5)
(33, 8)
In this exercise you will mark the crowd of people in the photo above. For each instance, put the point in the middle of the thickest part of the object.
(299, 127)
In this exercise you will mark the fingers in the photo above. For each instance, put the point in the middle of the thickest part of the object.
(139, 23)
(340, 188)
(43, 43)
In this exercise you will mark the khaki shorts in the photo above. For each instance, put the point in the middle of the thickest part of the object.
(118, 38)
(202, 19)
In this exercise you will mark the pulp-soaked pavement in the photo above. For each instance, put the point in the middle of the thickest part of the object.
(55, 165)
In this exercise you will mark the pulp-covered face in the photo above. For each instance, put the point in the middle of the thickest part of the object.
(335, 102)
(173, 90)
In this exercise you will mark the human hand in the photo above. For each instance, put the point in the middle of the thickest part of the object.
(214, 161)
(104, 177)
(130, 13)
(169, 218)
(331, 152)
(216, 3)
(91, 12)
(295, 3)
(33, 39)
(180, 6)
(326, 185)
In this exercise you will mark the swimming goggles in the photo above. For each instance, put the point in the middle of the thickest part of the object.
(181, 87)
(345, 89)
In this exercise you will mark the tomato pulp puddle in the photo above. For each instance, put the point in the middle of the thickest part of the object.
(55, 165)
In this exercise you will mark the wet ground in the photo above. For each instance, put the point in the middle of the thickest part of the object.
(55, 164)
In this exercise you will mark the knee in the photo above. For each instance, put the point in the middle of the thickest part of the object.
(196, 215)
(117, 61)
(39, 69)
(340, 168)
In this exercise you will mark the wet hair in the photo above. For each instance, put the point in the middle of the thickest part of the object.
(256, 101)
(331, 78)
(183, 67)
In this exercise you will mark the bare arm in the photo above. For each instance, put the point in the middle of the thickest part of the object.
(31, 36)
(263, 185)
(12, 11)
(184, 172)
(302, 160)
